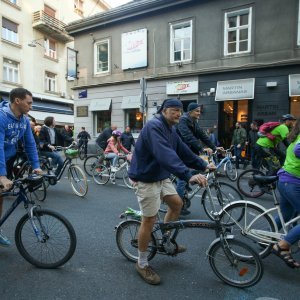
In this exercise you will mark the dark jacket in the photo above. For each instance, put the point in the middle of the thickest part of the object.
(192, 135)
(66, 136)
(83, 135)
(101, 140)
(252, 137)
(159, 151)
(239, 136)
(127, 140)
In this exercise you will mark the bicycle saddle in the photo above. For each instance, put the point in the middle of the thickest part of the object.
(265, 179)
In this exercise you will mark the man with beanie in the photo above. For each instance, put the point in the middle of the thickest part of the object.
(159, 152)
(192, 135)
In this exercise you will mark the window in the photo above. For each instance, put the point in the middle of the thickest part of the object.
(50, 48)
(102, 120)
(78, 7)
(102, 52)
(14, 1)
(49, 11)
(10, 31)
(50, 82)
(181, 42)
(134, 119)
(10, 71)
(237, 32)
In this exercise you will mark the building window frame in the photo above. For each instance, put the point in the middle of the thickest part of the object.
(78, 7)
(50, 82)
(185, 43)
(50, 48)
(237, 31)
(134, 119)
(101, 67)
(11, 71)
(10, 31)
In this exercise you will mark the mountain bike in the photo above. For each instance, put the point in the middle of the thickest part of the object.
(254, 223)
(76, 176)
(233, 261)
(102, 171)
(45, 238)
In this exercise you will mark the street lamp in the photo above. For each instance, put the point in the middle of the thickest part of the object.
(35, 43)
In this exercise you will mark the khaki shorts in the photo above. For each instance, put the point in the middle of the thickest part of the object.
(149, 195)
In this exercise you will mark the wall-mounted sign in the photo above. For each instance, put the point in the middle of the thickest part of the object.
(134, 49)
(71, 64)
(182, 87)
(82, 111)
(235, 89)
(294, 85)
(82, 94)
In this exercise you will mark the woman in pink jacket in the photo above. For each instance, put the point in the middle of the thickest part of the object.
(113, 149)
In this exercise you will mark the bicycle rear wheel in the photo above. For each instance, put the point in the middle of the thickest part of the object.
(57, 241)
(78, 180)
(89, 164)
(247, 186)
(101, 174)
(235, 263)
(222, 194)
(231, 171)
(127, 240)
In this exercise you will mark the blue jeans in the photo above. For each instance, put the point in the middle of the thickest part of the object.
(114, 157)
(289, 205)
(56, 160)
(238, 155)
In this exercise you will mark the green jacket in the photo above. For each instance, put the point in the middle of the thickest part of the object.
(239, 136)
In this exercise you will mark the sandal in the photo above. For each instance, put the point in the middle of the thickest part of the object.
(286, 256)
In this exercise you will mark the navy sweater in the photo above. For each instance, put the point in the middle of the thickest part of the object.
(159, 151)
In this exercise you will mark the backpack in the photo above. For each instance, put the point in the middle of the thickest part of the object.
(266, 128)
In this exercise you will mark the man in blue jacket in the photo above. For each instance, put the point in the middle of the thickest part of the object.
(159, 152)
(15, 126)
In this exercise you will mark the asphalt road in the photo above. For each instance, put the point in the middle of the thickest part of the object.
(98, 270)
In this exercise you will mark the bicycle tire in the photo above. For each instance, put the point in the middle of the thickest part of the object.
(223, 193)
(231, 171)
(40, 193)
(82, 153)
(126, 238)
(235, 263)
(247, 186)
(77, 180)
(56, 247)
(89, 164)
(101, 174)
(126, 179)
(239, 215)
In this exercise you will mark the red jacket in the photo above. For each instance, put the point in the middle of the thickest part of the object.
(112, 147)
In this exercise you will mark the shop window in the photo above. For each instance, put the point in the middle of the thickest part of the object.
(10, 71)
(50, 48)
(181, 42)
(102, 120)
(134, 119)
(50, 82)
(237, 35)
(101, 61)
(295, 106)
(10, 31)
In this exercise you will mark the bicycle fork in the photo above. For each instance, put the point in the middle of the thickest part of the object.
(40, 234)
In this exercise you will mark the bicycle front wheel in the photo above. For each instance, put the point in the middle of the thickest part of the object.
(126, 179)
(54, 244)
(235, 263)
(89, 164)
(222, 194)
(247, 186)
(231, 171)
(127, 240)
(239, 216)
(82, 153)
(101, 174)
(78, 180)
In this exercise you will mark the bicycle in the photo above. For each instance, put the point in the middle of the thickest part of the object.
(90, 162)
(254, 222)
(83, 150)
(222, 194)
(102, 172)
(234, 262)
(44, 238)
(76, 176)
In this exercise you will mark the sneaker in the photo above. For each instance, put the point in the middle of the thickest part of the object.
(184, 212)
(148, 274)
(4, 241)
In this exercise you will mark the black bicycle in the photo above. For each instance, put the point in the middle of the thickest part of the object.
(233, 261)
(83, 150)
(45, 238)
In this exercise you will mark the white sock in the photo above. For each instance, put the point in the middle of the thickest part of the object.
(143, 259)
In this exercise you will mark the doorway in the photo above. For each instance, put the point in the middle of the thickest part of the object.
(231, 112)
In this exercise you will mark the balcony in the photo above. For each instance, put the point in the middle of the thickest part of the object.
(50, 26)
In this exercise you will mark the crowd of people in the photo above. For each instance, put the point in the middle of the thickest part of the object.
(170, 143)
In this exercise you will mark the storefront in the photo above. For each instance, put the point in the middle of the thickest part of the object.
(294, 94)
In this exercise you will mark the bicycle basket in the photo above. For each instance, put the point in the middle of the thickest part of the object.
(72, 153)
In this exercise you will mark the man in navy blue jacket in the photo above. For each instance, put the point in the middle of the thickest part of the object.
(159, 151)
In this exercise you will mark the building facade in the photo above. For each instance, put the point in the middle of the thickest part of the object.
(238, 58)
(33, 51)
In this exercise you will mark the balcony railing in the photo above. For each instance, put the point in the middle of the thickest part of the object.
(50, 26)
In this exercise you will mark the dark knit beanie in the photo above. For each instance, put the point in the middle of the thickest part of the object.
(192, 106)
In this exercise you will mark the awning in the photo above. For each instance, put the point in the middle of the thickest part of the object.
(131, 102)
(100, 104)
(294, 85)
(52, 107)
(59, 118)
(239, 89)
